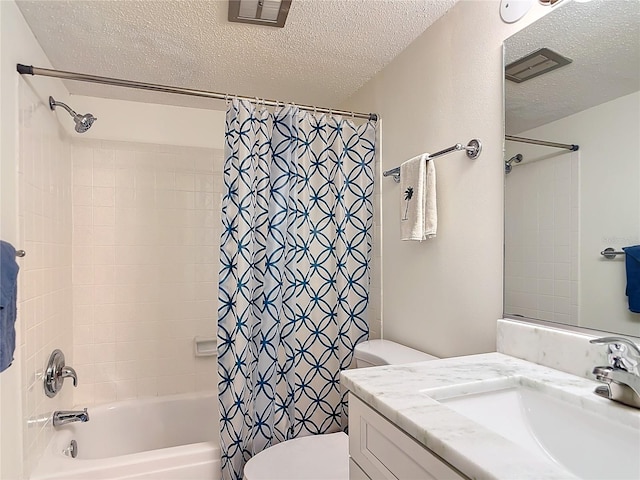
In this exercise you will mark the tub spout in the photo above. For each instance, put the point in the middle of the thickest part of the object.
(63, 417)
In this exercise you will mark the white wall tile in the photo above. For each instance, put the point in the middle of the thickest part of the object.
(125, 178)
(105, 392)
(147, 272)
(125, 389)
(83, 176)
(104, 177)
(45, 280)
(104, 215)
(104, 255)
(103, 196)
(540, 247)
(105, 353)
(82, 275)
(82, 215)
(148, 386)
(185, 181)
(83, 195)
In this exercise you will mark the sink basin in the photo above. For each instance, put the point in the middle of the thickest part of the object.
(578, 435)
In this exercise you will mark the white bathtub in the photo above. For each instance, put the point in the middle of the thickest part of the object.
(157, 438)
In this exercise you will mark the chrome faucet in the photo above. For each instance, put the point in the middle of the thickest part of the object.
(63, 417)
(621, 376)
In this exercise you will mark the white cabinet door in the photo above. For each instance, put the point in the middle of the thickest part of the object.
(355, 472)
(384, 452)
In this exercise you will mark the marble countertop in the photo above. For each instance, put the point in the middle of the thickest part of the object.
(395, 392)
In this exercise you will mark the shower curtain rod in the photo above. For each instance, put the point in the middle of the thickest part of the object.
(567, 146)
(82, 77)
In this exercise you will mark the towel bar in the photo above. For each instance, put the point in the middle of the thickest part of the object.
(610, 253)
(473, 150)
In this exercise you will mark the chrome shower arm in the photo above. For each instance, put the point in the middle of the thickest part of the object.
(83, 122)
(53, 104)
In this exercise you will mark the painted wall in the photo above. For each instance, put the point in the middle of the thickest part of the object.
(609, 214)
(444, 295)
(124, 121)
(145, 260)
(375, 286)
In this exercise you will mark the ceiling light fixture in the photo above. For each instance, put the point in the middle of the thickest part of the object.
(513, 10)
(272, 13)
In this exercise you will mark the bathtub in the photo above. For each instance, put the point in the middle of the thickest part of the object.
(156, 438)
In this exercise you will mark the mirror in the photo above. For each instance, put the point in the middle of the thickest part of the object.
(563, 207)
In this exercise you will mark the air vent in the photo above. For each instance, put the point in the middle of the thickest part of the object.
(272, 13)
(535, 64)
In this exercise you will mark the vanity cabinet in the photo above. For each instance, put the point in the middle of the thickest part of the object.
(379, 450)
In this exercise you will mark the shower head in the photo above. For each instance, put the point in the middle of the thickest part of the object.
(83, 122)
(507, 164)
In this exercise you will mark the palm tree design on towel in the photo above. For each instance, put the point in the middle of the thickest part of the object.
(408, 195)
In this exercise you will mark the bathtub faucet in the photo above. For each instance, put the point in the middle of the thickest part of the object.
(63, 417)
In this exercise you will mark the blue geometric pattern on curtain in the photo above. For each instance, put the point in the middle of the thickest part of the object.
(295, 257)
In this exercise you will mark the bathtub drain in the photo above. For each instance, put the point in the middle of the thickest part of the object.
(71, 450)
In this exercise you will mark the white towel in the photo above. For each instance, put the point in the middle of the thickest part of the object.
(418, 209)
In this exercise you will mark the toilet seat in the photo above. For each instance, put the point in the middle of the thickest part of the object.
(317, 457)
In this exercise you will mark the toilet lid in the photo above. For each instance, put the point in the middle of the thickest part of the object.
(384, 352)
(318, 457)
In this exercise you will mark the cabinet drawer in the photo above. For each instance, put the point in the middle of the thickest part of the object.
(385, 452)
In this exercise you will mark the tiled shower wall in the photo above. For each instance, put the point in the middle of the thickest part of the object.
(146, 232)
(44, 280)
(541, 239)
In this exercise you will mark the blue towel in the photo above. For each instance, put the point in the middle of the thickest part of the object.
(8, 310)
(632, 261)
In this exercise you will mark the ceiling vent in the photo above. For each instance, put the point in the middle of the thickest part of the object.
(535, 64)
(272, 13)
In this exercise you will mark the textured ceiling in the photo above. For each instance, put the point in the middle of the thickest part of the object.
(326, 51)
(602, 37)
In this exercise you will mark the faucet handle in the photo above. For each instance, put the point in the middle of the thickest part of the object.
(621, 353)
(69, 372)
(55, 373)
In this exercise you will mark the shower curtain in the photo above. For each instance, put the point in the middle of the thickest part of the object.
(295, 256)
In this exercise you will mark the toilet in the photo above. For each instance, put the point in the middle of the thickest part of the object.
(325, 457)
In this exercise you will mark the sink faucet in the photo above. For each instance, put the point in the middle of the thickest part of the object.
(621, 376)
(63, 417)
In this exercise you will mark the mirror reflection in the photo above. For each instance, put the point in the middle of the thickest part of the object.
(563, 207)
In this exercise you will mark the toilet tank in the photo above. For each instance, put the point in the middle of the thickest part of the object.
(384, 352)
